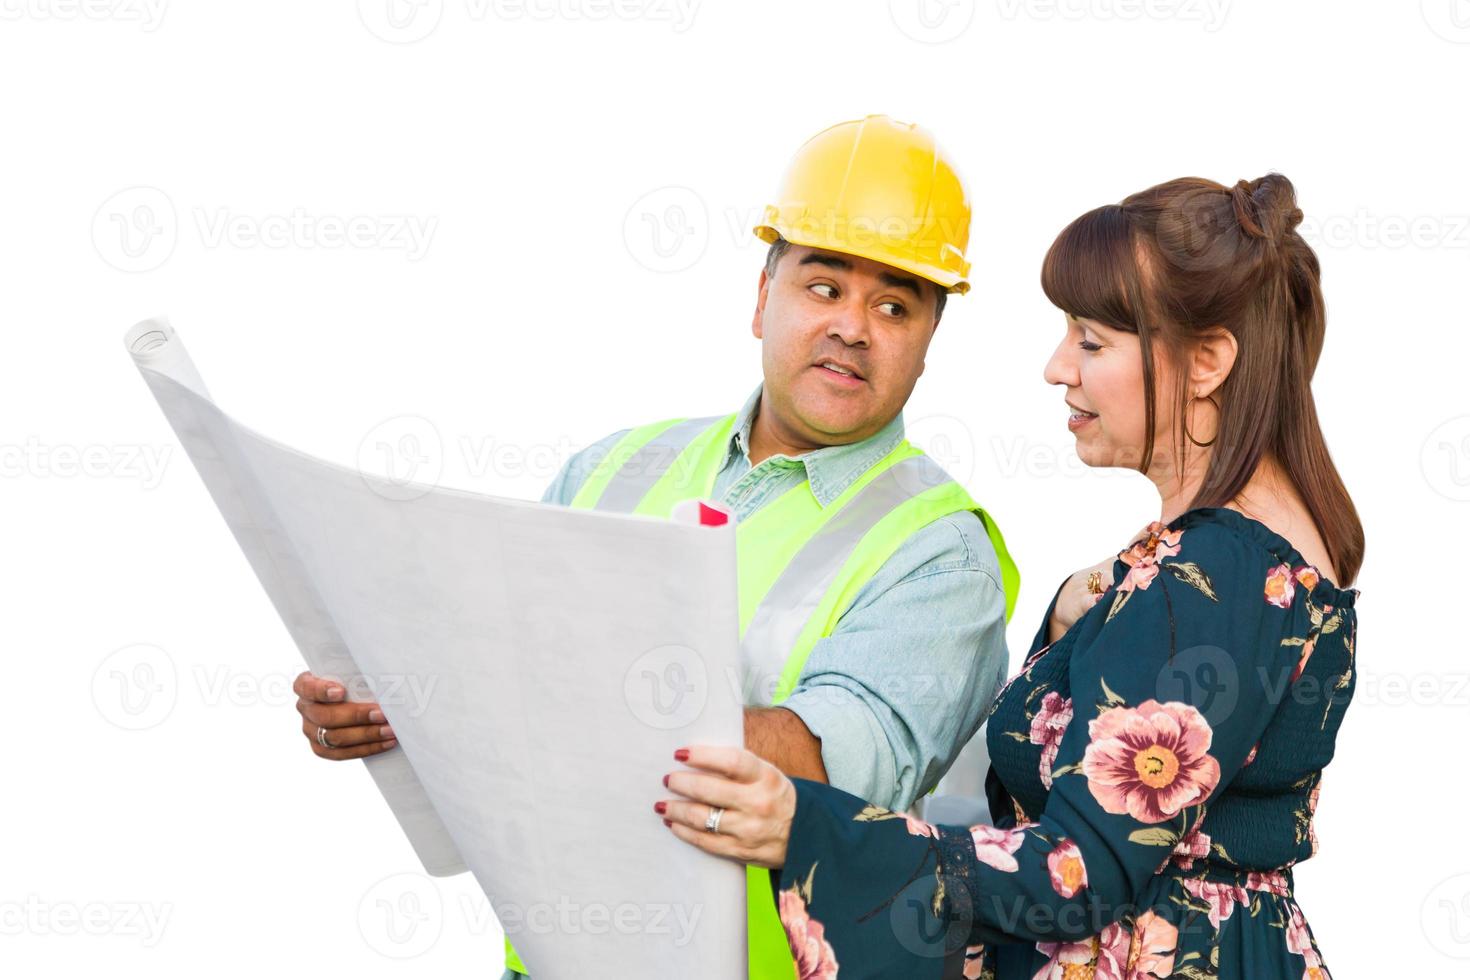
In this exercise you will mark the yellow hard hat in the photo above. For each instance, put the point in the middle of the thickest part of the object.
(880, 189)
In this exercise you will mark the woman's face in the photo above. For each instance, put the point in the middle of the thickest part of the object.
(1102, 370)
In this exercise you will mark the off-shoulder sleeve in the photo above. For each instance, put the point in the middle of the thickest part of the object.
(1174, 677)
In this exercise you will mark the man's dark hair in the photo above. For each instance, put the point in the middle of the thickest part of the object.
(780, 246)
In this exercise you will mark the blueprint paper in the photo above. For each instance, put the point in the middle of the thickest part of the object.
(539, 665)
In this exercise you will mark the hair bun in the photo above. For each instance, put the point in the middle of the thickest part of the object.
(1266, 207)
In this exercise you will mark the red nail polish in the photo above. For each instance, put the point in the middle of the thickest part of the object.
(682, 755)
(660, 807)
(666, 782)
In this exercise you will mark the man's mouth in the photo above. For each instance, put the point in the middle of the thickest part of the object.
(840, 369)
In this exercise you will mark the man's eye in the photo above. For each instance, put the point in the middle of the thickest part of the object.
(826, 285)
(898, 308)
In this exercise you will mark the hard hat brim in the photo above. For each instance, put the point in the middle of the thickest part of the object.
(948, 279)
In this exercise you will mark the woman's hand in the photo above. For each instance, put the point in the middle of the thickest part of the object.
(1077, 597)
(759, 803)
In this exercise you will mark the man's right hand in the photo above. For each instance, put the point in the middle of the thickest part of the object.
(354, 729)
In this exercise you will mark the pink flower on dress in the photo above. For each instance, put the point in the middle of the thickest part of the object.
(1047, 729)
(1307, 576)
(1143, 557)
(995, 846)
(1279, 586)
(1150, 762)
(1221, 896)
(1195, 844)
(814, 957)
(1299, 939)
(1068, 873)
(1267, 881)
(1096, 957)
(1155, 940)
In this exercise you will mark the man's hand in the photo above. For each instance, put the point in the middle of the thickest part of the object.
(353, 729)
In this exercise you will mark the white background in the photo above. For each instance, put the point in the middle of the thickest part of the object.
(195, 159)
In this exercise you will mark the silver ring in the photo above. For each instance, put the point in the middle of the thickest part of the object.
(712, 822)
(321, 737)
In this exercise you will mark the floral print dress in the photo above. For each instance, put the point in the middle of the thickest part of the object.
(1157, 769)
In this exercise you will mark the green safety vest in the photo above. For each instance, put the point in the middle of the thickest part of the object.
(800, 565)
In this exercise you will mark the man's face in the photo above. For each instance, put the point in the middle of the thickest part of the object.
(843, 342)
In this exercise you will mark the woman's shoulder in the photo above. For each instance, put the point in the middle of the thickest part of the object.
(1246, 549)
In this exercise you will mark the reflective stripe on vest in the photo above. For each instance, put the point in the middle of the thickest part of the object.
(801, 565)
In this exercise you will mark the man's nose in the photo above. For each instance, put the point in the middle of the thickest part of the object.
(849, 325)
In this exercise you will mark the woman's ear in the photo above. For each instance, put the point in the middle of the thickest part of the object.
(1214, 357)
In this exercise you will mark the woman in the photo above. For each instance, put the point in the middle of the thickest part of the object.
(1156, 763)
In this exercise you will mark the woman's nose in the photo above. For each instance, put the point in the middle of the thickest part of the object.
(1061, 369)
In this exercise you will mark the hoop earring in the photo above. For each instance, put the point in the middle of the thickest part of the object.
(1189, 435)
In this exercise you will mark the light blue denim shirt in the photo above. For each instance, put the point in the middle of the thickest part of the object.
(910, 670)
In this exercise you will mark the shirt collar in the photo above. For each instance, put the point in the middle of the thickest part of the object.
(831, 469)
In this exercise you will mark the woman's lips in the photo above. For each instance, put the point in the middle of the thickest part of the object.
(1078, 419)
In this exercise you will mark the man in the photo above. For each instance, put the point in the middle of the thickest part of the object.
(874, 592)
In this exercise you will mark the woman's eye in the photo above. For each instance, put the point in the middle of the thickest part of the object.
(826, 285)
(1088, 345)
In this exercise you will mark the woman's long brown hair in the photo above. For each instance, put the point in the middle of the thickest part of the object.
(1177, 260)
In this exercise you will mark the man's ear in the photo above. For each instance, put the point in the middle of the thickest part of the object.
(762, 286)
(1214, 357)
